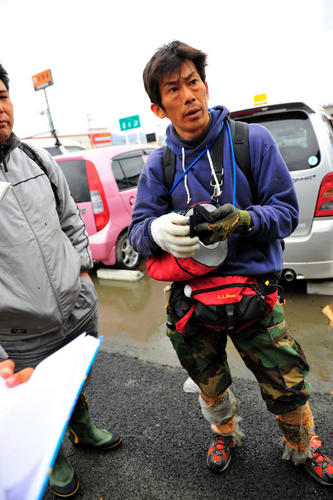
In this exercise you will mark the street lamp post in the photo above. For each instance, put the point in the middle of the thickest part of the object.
(53, 131)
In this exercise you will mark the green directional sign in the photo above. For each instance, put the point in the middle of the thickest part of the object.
(129, 122)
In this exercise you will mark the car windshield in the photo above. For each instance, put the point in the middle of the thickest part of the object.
(53, 150)
(295, 137)
(72, 149)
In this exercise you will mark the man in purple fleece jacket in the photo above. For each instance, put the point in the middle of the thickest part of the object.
(253, 227)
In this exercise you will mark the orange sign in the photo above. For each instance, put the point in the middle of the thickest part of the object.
(42, 80)
(101, 139)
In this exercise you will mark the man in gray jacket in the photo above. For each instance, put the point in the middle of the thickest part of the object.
(47, 296)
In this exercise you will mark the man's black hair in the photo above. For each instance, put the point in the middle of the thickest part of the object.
(4, 77)
(165, 61)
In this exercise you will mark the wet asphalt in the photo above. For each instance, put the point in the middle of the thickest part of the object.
(165, 440)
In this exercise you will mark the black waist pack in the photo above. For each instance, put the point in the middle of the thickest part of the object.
(226, 303)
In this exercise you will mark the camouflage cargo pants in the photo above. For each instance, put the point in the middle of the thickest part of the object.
(273, 356)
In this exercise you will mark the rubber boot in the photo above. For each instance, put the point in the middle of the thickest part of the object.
(83, 431)
(63, 479)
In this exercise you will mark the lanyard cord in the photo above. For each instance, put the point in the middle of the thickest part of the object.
(233, 165)
(196, 159)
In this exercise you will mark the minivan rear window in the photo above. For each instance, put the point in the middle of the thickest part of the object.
(295, 137)
(76, 175)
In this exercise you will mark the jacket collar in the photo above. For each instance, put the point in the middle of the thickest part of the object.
(7, 148)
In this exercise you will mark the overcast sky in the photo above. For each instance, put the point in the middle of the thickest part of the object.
(97, 50)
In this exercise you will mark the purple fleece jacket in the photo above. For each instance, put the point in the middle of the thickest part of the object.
(274, 217)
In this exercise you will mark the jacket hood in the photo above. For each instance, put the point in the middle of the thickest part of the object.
(175, 142)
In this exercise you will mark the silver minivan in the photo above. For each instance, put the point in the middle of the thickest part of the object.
(305, 139)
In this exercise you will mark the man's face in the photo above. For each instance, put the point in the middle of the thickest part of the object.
(6, 114)
(184, 98)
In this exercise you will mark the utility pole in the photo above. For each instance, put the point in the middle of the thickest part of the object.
(52, 129)
(89, 120)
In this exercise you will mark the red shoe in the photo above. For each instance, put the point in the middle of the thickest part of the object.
(219, 453)
(320, 467)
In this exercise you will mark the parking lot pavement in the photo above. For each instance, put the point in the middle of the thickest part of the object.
(165, 440)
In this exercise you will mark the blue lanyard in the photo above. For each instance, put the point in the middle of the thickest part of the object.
(196, 160)
(233, 165)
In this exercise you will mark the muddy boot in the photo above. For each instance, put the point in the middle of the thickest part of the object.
(63, 479)
(83, 431)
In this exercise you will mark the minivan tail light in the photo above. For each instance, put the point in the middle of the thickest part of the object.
(97, 196)
(324, 207)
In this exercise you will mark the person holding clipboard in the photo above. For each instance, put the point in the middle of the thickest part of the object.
(47, 296)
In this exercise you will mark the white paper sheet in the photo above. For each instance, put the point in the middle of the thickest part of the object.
(34, 417)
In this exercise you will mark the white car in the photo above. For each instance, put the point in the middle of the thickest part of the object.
(305, 139)
(67, 145)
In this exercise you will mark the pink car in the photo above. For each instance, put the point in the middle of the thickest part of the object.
(103, 183)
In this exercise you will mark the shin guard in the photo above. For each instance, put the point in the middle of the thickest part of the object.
(297, 427)
(221, 414)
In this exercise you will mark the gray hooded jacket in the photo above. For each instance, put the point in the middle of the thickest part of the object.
(43, 247)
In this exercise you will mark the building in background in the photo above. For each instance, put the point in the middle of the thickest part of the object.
(95, 138)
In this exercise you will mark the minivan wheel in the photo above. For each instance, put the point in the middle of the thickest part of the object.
(127, 257)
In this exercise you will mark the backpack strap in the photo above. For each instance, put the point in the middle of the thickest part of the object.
(240, 138)
(169, 167)
(31, 153)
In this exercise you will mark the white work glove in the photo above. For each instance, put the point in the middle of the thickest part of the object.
(171, 233)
